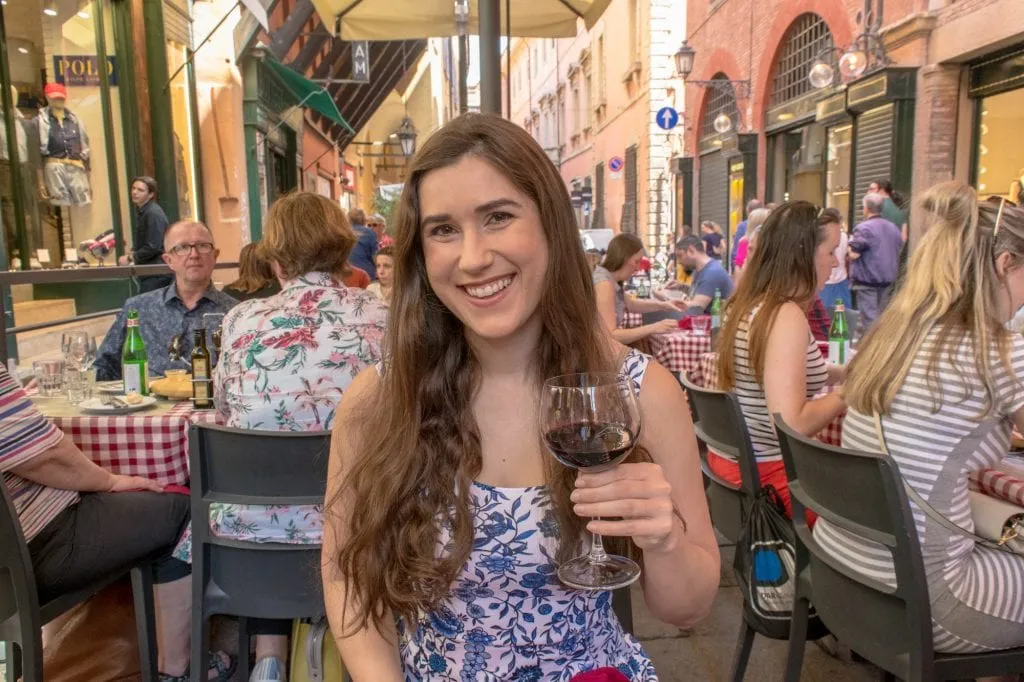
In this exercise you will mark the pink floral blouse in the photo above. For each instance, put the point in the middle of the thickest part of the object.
(284, 363)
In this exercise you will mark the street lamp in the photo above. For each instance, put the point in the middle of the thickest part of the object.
(407, 137)
(684, 57)
(866, 54)
(722, 123)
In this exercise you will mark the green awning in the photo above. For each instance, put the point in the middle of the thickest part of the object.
(308, 93)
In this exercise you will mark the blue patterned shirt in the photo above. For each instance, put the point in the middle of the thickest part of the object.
(162, 316)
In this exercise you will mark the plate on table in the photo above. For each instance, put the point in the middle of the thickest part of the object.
(96, 406)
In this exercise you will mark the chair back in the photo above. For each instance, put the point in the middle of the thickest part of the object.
(720, 426)
(860, 492)
(19, 600)
(234, 466)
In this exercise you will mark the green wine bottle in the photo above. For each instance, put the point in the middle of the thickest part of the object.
(839, 336)
(134, 361)
(716, 310)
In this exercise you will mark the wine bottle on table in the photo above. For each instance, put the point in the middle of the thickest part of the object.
(716, 310)
(839, 336)
(202, 380)
(134, 361)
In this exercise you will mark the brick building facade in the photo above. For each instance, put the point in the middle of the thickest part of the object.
(916, 122)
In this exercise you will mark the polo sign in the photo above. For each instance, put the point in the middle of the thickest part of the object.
(73, 70)
(667, 118)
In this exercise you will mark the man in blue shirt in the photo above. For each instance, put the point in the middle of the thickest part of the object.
(875, 249)
(175, 310)
(366, 244)
(741, 229)
(708, 275)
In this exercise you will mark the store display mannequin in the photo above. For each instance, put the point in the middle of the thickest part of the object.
(65, 148)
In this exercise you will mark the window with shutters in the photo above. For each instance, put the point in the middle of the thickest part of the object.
(629, 207)
(807, 38)
(597, 219)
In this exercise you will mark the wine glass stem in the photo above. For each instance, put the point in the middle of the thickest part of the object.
(597, 553)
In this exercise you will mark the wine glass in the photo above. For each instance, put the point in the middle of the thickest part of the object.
(79, 349)
(591, 422)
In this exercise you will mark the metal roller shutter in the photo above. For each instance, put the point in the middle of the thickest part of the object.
(873, 149)
(629, 207)
(597, 220)
(177, 26)
(714, 189)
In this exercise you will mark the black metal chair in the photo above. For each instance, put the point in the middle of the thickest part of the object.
(22, 617)
(720, 426)
(862, 492)
(252, 579)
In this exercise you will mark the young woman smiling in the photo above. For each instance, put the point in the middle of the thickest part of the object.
(446, 518)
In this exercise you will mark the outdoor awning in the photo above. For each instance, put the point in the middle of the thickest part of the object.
(310, 94)
(405, 19)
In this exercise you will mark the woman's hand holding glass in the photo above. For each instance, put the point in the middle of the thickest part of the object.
(638, 495)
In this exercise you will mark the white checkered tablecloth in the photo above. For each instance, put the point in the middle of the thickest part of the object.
(830, 435)
(153, 443)
(681, 351)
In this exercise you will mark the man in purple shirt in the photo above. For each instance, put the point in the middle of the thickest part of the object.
(875, 260)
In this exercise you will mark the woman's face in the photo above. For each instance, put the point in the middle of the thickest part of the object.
(1013, 278)
(630, 267)
(484, 248)
(385, 269)
(825, 256)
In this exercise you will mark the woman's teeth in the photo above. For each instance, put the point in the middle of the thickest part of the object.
(489, 289)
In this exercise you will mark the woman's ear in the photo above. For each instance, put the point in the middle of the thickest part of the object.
(1003, 263)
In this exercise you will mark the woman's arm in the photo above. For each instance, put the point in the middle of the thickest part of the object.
(605, 292)
(369, 655)
(681, 563)
(785, 375)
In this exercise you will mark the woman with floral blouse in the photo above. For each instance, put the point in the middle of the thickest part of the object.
(285, 362)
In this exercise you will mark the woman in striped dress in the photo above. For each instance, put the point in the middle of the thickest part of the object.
(946, 377)
(767, 355)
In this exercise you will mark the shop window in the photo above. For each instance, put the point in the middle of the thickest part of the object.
(73, 191)
(838, 183)
(797, 164)
(1000, 158)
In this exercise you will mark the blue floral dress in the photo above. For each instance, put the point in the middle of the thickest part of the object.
(508, 617)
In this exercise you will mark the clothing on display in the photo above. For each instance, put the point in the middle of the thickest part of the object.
(64, 145)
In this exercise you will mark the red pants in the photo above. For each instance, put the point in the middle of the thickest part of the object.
(771, 473)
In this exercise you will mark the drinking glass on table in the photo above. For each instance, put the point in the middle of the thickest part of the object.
(701, 325)
(591, 422)
(80, 350)
(79, 384)
(49, 377)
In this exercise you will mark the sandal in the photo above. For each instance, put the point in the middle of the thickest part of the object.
(222, 667)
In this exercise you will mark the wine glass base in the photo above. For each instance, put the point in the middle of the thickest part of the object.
(611, 573)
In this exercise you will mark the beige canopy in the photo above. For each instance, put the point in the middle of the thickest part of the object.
(405, 19)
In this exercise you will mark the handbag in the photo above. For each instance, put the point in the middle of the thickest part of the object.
(765, 569)
(314, 654)
(1009, 525)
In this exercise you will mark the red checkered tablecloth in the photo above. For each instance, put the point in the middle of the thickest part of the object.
(153, 443)
(831, 434)
(681, 352)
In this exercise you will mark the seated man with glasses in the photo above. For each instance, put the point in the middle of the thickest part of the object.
(169, 315)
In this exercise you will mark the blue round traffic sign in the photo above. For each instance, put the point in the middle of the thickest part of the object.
(667, 118)
(615, 164)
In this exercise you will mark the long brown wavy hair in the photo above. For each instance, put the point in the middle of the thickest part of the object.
(418, 448)
(781, 269)
(951, 284)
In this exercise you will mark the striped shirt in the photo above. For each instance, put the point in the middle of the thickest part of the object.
(24, 435)
(750, 393)
(937, 439)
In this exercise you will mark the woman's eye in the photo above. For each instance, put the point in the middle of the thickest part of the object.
(442, 231)
(499, 217)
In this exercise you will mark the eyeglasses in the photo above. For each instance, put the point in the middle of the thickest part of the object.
(202, 248)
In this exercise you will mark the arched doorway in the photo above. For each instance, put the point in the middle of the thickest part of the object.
(798, 145)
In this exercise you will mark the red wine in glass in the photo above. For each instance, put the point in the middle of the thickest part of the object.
(589, 445)
(591, 422)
